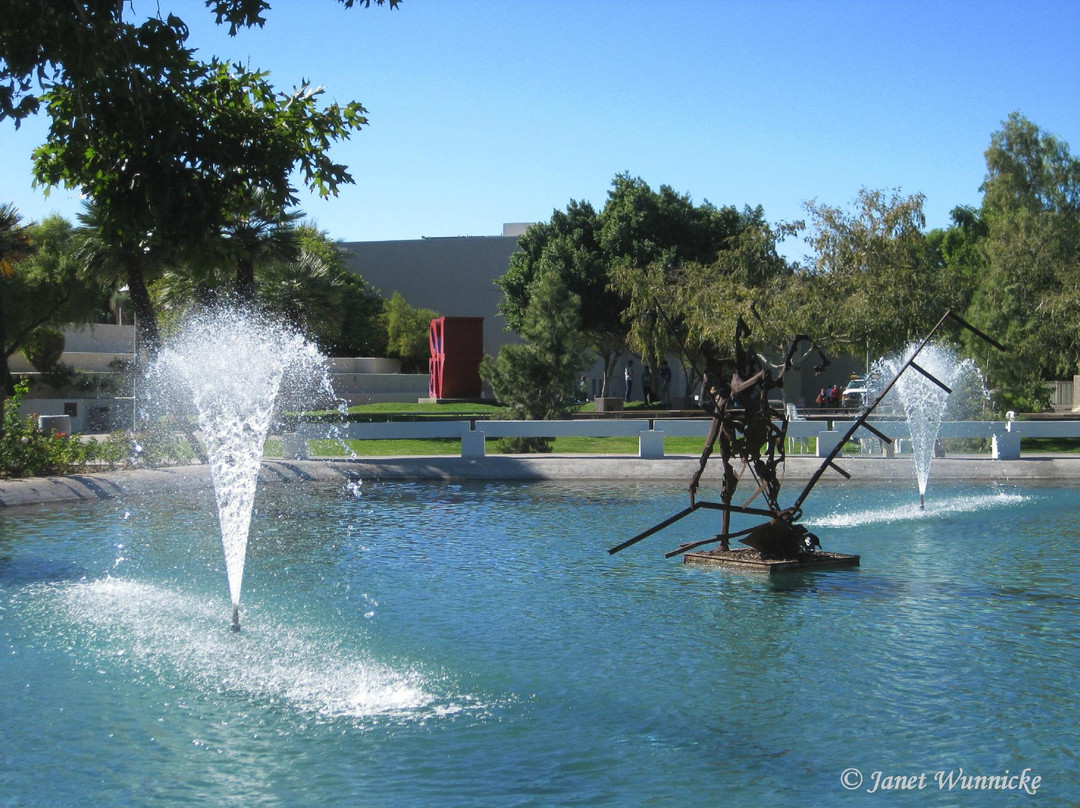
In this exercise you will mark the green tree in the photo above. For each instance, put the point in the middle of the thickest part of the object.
(359, 327)
(344, 314)
(568, 246)
(15, 245)
(407, 330)
(47, 287)
(1029, 292)
(537, 380)
(621, 262)
(301, 276)
(260, 232)
(874, 283)
(228, 137)
(640, 226)
(43, 348)
(15, 241)
(957, 251)
(661, 243)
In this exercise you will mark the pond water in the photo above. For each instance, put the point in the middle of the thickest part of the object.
(475, 644)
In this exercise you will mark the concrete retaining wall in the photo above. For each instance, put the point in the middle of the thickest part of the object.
(1005, 435)
(135, 484)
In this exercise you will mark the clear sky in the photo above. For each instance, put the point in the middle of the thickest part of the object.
(490, 111)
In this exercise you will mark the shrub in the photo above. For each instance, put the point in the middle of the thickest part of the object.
(44, 347)
(26, 451)
(407, 329)
(538, 379)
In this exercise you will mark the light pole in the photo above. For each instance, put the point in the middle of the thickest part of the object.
(134, 356)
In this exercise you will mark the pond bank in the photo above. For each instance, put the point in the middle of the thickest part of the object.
(148, 482)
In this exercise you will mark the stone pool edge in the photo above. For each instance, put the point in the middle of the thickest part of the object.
(106, 485)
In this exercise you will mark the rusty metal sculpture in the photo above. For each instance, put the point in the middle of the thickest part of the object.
(735, 392)
(747, 426)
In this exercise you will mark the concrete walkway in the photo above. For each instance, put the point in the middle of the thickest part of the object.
(158, 482)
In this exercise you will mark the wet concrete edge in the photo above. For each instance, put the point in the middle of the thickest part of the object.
(105, 485)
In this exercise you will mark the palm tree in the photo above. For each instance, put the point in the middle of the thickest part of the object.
(258, 232)
(14, 239)
(129, 262)
(15, 245)
(305, 292)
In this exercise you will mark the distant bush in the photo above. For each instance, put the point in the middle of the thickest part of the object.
(43, 348)
(407, 330)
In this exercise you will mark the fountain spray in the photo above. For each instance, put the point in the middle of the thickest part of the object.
(232, 364)
(940, 381)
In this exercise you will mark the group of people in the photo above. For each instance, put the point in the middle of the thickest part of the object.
(830, 397)
(654, 390)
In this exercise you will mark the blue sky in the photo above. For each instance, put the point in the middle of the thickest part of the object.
(490, 111)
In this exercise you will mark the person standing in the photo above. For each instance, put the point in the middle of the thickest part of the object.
(665, 384)
(628, 380)
(583, 390)
(646, 383)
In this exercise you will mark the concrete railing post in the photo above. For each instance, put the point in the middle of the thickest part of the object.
(49, 424)
(1005, 445)
(651, 444)
(473, 443)
(293, 446)
(827, 441)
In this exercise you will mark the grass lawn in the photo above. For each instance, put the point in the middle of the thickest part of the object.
(449, 446)
(389, 409)
(1050, 445)
(615, 446)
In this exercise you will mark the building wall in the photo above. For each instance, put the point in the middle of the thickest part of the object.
(453, 276)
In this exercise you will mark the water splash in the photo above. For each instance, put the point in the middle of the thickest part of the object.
(909, 512)
(170, 637)
(924, 403)
(235, 367)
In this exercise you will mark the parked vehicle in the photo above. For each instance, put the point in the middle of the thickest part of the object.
(856, 396)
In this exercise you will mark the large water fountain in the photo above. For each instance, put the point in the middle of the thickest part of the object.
(235, 367)
(923, 400)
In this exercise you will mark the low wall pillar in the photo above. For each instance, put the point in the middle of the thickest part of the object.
(1005, 445)
(49, 424)
(651, 444)
(827, 441)
(607, 404)
(293, 446)
(473, 443)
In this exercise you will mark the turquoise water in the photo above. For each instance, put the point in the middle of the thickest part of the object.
(469, 644)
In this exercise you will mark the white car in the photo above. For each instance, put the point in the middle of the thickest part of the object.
(855, 395)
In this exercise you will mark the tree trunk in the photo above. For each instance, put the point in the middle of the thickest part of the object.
(245, 280)
(146, 320)
(610, 363)
(6, 387)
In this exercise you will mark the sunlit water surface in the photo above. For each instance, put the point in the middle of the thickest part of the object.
(474, 644)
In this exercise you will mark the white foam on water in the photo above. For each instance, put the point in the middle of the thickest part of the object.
(911, 511)
(161, 634)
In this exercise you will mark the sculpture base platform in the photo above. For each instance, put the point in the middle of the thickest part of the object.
(750, 559)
